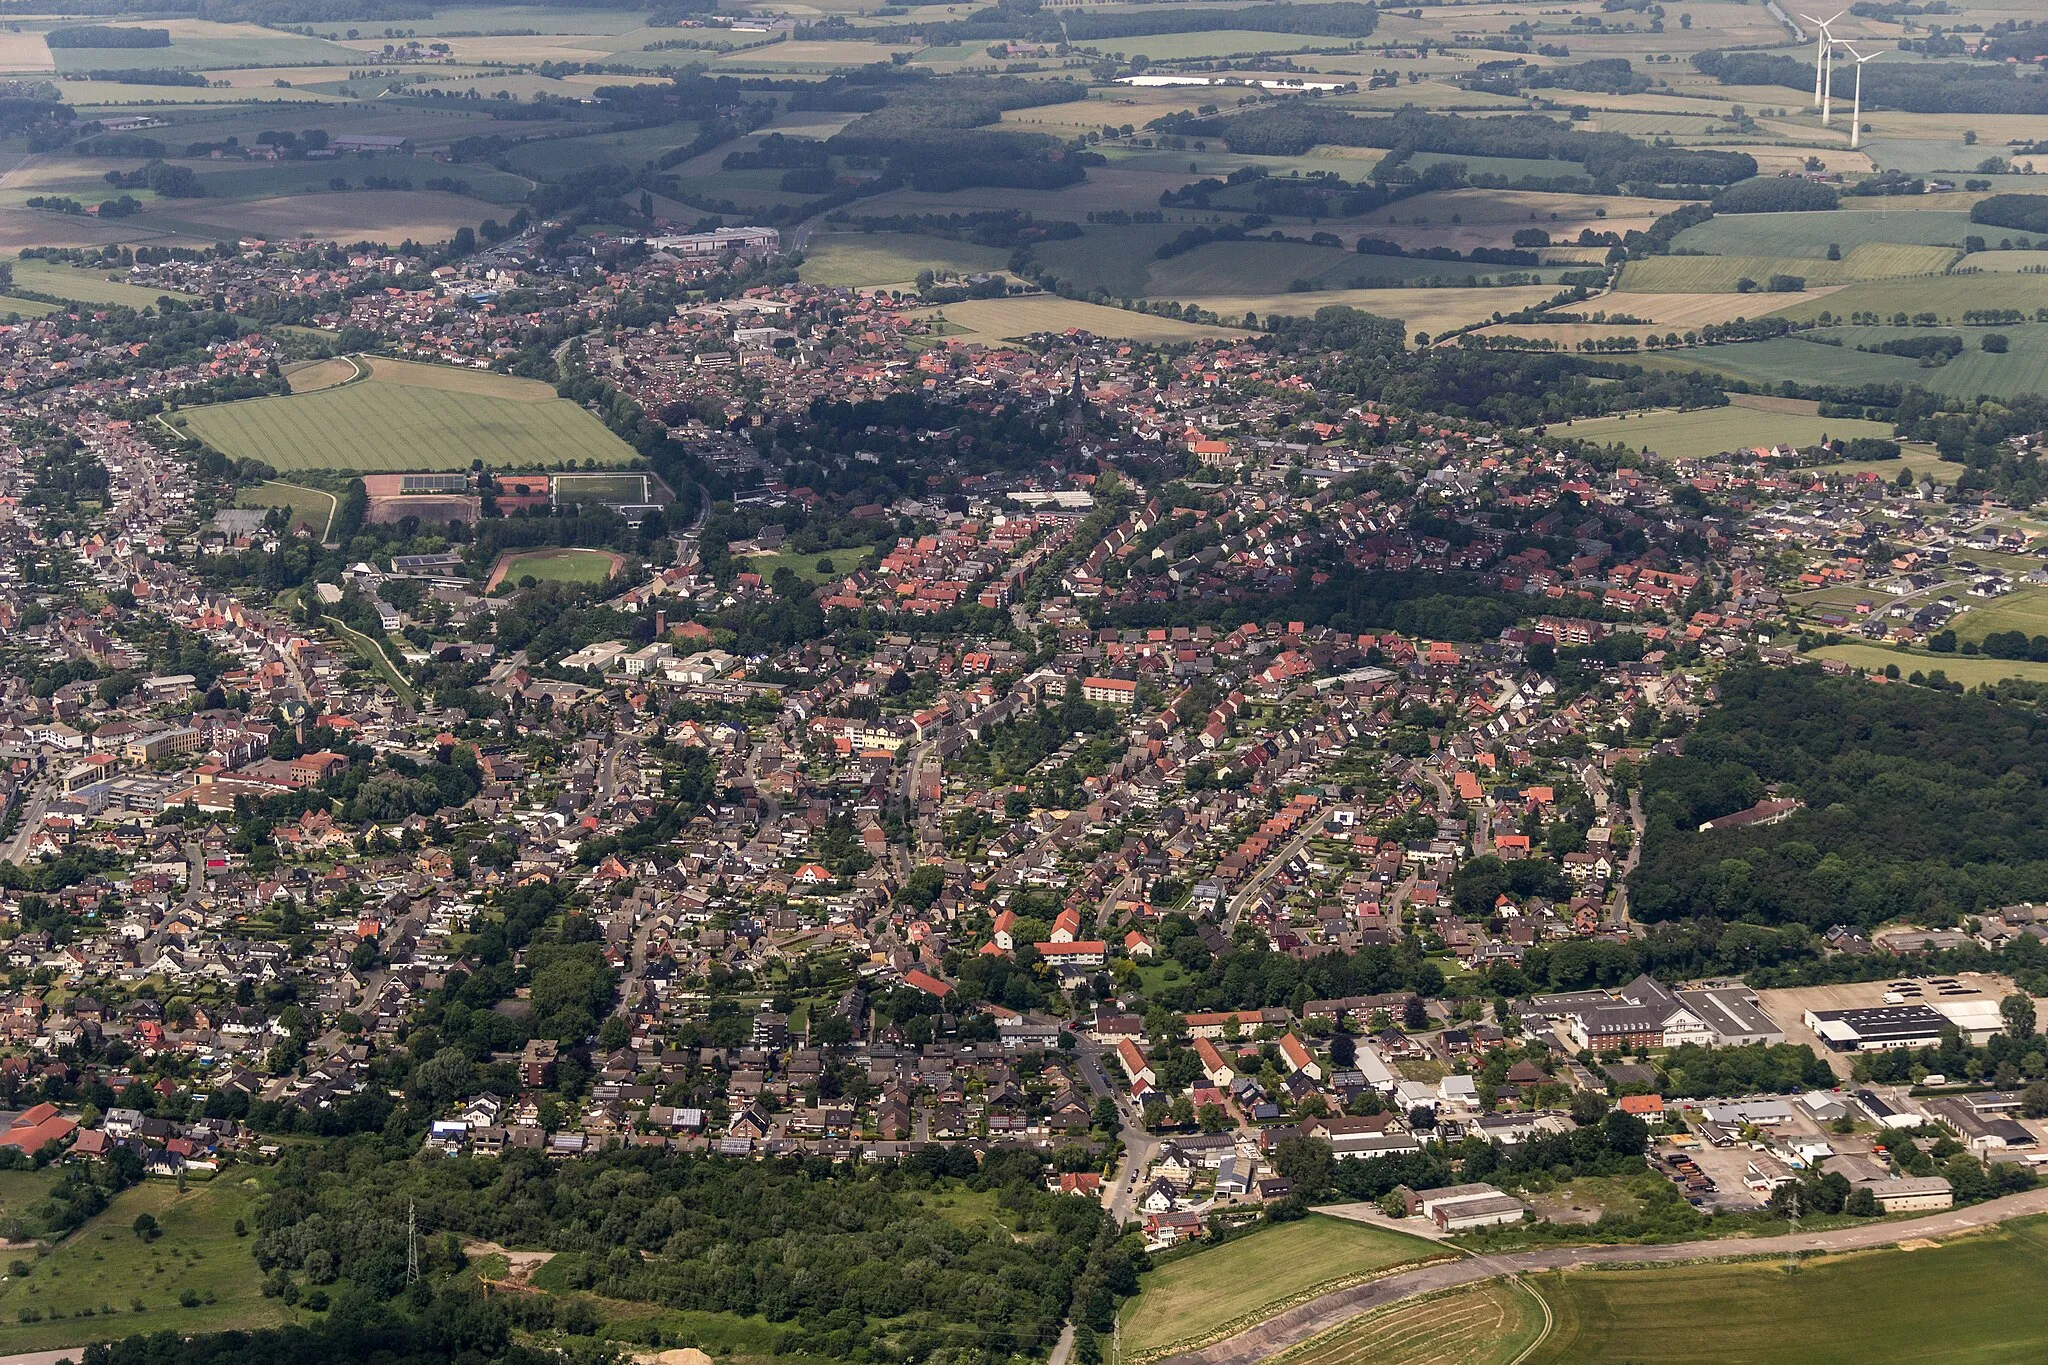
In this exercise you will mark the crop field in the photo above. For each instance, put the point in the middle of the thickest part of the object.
(86, 286)
(315, 375)
(557, 157)
(1791, 357)
(1810, 234)
(1722, 274)
(27, 308)
(374, 215)
(2023, 609)
(1709, 431)
(865, 259)
(1969, 670)
(1950, 296)
(1422, 310)
(309, 506)
(987, 320)
(103, 1281)
(411, 417)
(1963, 1302)
(1483, 1324)
(1272, 268)
(2022, 369)
(1188, 1299)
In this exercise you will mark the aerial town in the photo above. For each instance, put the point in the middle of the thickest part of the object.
(962, 748)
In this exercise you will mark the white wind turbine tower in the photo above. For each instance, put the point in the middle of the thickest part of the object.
(1856, 122)
(1822, 64)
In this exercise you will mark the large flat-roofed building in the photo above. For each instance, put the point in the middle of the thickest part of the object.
(1911, 1025)
(748, 241)
(1646, 1013)
(1878, 1027)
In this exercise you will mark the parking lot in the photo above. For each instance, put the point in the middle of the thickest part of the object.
(1787, 1008)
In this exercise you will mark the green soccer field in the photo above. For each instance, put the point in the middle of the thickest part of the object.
(378, 426)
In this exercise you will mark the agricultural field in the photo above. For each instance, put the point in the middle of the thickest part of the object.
(2023, 368)
(1483, 1324)
(2023, 609)
(1724, 274)
(558, 157)
(410, 417)
(1949, 296)
(105, 1281)
(314, 375)
(86, 286)
(1811, 234)
(1702, 432)
(869, 259)
(1192, 1299)
(1969, 670)
(1966, 1301)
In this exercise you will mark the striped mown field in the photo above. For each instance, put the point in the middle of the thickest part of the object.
(401, 419)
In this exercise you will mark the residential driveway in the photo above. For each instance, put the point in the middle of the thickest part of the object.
(1296, 1325)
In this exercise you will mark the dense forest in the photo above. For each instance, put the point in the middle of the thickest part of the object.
(1610, 159)
(1028, 21)
(846, 1256)
(1918, 803)
(2024, 212)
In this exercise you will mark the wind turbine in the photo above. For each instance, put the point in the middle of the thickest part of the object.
(1856, 121)
(1822, 64)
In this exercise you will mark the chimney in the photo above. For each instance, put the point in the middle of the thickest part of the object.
(660, 624)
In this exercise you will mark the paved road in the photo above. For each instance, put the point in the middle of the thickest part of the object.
(1332, 1310)
(32, 814)
(1270, 869)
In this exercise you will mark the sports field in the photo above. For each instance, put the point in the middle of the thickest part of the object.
(1702, 432)
(1972, 1300)
(555, 566)
(1193, 1299)
(1483, 1324)
(605, 488)
(411, 417)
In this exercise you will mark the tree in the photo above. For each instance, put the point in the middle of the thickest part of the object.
(2018, 1012)
(1306, 1163)
(1588, 1108)
(1626, 1134)
(1415, 1014)
(145, 1227)
(1343, 1050)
